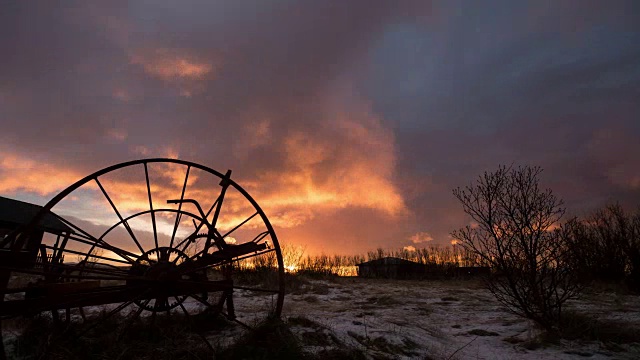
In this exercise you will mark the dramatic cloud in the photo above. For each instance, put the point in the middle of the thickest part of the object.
(350, 122)
(20, 174)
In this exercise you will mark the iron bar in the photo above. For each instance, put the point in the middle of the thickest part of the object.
(239, 225)
(93, 240)
(203, 221)
(126, 224)
(94, 256)
(179, 215)
(225, 262)
(153, 215)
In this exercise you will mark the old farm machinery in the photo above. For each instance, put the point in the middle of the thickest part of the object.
(140, 238)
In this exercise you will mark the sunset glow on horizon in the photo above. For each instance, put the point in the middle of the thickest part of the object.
(349, 122)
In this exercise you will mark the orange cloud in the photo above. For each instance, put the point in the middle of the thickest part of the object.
(172, 64)
(421, 237)
(178, 67)
(349, 163)
(353, 166)
(20, 173)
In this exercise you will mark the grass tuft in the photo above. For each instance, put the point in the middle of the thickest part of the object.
(162, 338)
(579, 326)
(270, 340)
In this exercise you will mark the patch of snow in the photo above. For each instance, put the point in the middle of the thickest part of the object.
(440, 318)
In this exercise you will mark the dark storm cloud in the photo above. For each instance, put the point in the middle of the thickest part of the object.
(268, 59)
(364, 114)
(532, 85)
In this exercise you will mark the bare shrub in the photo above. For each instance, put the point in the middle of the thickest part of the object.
(513, 235)
(606, 246)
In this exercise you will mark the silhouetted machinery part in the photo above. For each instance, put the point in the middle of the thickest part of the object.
(140, 238)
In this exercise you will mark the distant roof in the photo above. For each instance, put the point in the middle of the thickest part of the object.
(14, 213)
(388, 261)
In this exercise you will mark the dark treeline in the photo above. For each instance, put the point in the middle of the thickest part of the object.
(605, 246)
(435, 257)
(345, 265)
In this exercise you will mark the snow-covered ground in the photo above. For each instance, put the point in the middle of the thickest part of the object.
(402, 319)
(437, 319)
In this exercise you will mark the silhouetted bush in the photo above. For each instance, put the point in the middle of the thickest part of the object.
(514, 235)
(606, 246)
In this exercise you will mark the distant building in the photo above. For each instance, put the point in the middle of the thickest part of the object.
(397, 268)
(392, 268)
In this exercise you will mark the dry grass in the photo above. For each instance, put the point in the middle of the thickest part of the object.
(176, 337)
(162, 338)
(302, 338)
(580, 326)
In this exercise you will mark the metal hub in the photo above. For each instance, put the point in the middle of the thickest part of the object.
(161, 264)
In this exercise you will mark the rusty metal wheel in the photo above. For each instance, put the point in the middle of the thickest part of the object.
(153, 237)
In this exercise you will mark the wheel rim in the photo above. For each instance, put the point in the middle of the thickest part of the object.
(141, 264)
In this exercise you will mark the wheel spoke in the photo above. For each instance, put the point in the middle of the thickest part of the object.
(179, 214)
(161, 277)
(84, 268)
(135, 316)
(114, 311)
(97, 268)
(125, 223)
(184, 310)
(236, 321)
(87, 255)
(105, 274)
(203, 301)
(153, 214)
(188, 316)
(92, 240)
(127, 256)
(198, 227)
(239, 225)
(118, 309)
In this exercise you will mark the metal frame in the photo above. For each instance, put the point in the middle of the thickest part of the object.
(152, 274)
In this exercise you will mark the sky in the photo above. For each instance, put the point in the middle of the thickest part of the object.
(350, 121)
